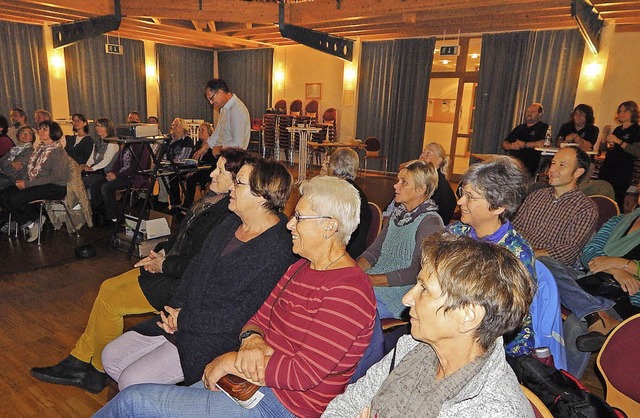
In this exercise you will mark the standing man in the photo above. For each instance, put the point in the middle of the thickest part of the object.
(18, 120)
(523, 139)
(234, 127)
(558, 221)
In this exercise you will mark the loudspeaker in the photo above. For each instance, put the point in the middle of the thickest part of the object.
(68, 33)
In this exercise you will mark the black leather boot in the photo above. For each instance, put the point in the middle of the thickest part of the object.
(70, 372)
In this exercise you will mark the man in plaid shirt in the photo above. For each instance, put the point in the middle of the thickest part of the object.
(558, 221)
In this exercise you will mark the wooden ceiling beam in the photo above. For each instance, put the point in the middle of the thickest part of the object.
(94, 7)
(227, 41)
(218, 10)
(323, 10)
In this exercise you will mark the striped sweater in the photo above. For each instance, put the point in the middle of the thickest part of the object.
(319, 323)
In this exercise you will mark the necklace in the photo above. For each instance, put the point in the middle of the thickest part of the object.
(335, 261)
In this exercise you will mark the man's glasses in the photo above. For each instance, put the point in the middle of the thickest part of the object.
(210, 99)
(239, 183)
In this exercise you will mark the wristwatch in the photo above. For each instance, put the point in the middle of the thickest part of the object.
(247, 334)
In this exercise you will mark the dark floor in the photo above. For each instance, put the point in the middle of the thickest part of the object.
(46, 296)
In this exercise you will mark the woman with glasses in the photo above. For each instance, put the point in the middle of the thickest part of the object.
(201, 177)
(623, 147)
(224, 284)
(393, 260)
(580, 130)
(489, 195)
(13, 166)
(146, 288)
(45, 178)
(303, 344)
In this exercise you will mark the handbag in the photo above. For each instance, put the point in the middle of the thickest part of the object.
(237, 387)
(604, 285)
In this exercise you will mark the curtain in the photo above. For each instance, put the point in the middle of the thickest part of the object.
(517, 69)
(183, 75)
(392, 96)
(24, 75)
(248, 74)
(106, 85)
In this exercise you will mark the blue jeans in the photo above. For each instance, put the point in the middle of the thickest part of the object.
(572, 295)
(151, 400)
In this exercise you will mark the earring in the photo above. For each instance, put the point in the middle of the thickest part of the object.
(325, 236)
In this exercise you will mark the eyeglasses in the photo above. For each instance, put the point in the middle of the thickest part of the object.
(299, 217)
(210, 99)
(239, 183)
(41, 128)
(460, 193)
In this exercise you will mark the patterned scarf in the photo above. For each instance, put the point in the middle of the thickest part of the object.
(39, 156)
(17, 150)
(401, 216)
(99, 149)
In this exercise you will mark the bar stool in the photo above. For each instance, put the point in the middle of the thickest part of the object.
(52, 202)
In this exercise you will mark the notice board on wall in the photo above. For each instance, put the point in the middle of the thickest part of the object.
(441, 110)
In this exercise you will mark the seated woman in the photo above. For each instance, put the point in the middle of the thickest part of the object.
(128, 160)
(147, 289)
(580, 130)
(201, 177)
(393, 260)
(13, 166)
(443, 195)
(305, 341)
(99, 162)
(179, 147)
(469, 293)
(490, 194)
(80, 145)
(343, 163)
(239, 263)
(46, 178)
(612, 259)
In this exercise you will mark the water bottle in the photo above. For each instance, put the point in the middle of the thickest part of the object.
(544, 355)
(547, 137)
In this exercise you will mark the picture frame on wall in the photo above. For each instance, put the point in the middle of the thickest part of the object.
(313, 91)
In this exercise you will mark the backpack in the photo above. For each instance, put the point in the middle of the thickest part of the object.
(561, 392)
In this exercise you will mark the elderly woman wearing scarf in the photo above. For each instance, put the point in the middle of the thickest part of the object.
(46, 178)
(393, 260)
(13, 166)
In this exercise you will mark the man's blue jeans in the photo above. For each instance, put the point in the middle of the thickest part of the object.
(572, 295)
(151, 400)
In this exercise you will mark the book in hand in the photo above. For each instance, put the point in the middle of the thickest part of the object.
(244, 393)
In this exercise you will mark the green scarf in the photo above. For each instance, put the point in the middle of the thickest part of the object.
(619, 244)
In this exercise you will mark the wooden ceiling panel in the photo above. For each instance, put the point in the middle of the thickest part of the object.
(238, 24)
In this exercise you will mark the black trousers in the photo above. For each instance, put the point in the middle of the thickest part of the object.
(16, 201)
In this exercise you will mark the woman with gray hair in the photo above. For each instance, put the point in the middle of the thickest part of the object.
(468, 295)
(343, 163)
(490, 193)
(393, 260)
(304, 343)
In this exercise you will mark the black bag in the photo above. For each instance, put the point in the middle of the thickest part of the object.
(604, 285)
(562, 393)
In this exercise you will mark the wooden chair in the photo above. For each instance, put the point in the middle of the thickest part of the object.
(281, 107)
(607, 209)
(540, 410)
(619, 364)
(373, 149)
(296, 108)
(311, 109)
(376, 223)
